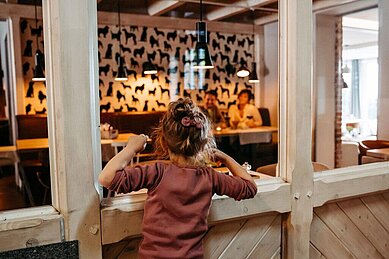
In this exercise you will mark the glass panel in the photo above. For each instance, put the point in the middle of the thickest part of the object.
(26, 183)
(345, 123)
(137, 104)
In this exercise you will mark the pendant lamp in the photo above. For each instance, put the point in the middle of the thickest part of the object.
(202, 58)
(122, 71)
(243, 71)
(39, 74)
(253, 75)
(149, 68)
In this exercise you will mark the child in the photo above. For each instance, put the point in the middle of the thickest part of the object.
(180, 189)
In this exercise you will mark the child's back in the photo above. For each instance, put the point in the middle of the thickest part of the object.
(180, 190)
(177, 205)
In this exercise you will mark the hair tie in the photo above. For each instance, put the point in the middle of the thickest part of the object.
(187, 122)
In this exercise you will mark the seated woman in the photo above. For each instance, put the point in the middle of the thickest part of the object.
(211, 110)
(244, 115)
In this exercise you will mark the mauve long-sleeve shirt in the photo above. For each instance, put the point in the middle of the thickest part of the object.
(177, 204)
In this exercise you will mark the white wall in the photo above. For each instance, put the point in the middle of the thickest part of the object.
(269, 93)
(383, 62)
(324, 90)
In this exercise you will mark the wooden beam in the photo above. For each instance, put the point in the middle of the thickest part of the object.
(333, 7)
(160, 7)
(74, 141)
(115, 217)
(225, 12)
(295, 62)
(266, 19)
(18, 10)
(350, 182)
(106, 18)
(19, 227)
(344, 7)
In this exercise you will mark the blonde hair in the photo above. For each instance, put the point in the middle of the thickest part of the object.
(184, 130)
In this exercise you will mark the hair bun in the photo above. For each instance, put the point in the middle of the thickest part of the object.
(183, 108)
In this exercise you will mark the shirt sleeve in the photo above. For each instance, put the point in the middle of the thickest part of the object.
(256, 116)
(137, 177)
(233, 186)
(232, 112)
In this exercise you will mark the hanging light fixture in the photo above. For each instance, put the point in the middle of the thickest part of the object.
(243, 71)
(346, 69)
(122, 71)
(253, 75)
(39, 74)
(202, 58)
(149, 68)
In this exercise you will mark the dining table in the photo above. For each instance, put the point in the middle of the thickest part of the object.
(262, 134)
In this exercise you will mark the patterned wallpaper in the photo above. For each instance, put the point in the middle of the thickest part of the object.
(170, 50)
(34, 92)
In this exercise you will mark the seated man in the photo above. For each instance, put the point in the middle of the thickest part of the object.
(211, 110)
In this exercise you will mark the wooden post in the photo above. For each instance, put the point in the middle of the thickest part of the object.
(259, 50)
(17, 71)
(383, 76)
(295, 89)
(70, 33)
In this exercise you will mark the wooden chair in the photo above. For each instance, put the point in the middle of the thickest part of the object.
(272, 169)
(370, 144)
(264, 112)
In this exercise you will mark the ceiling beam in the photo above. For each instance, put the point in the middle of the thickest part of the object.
(106, 18)
(226, 12)
(18, 10)
(160, 7)
(325, 7)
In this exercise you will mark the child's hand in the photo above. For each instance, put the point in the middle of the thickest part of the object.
(219, 155)
(137, 142)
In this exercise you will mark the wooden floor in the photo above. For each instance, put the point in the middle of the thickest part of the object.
(10, 196)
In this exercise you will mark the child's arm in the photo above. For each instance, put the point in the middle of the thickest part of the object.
(235, 168)
(135, 145)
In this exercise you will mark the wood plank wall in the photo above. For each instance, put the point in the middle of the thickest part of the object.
(355, 228)
(256, 237)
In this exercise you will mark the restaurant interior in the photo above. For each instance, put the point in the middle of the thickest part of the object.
(149, 53)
